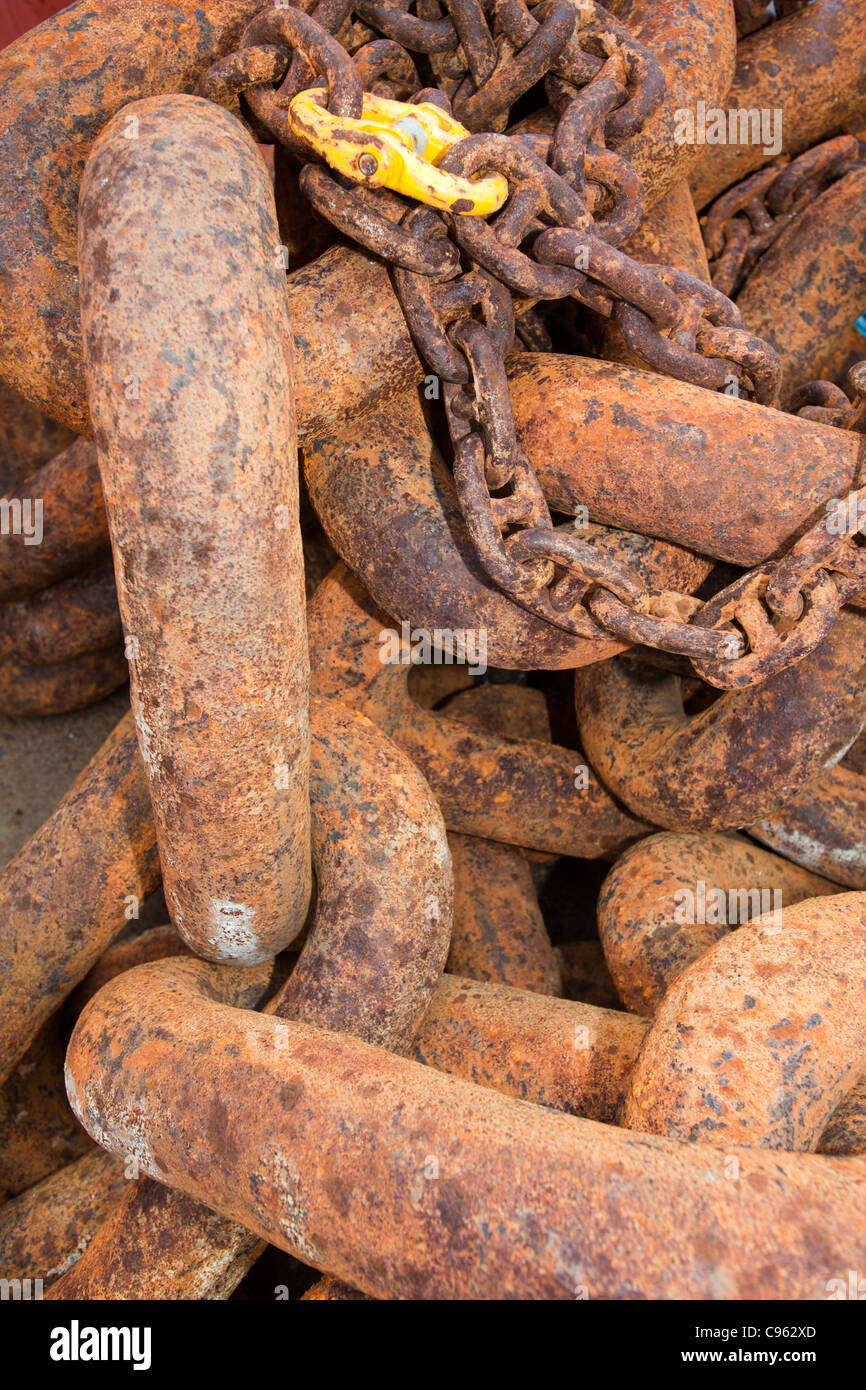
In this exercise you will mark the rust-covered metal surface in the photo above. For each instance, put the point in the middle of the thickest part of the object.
(807, 291)
(759, 1040)
(196, 454)
(75, 616)
(65, 895)
(668, 459)
(485, 679)
(554, 1052)
(586, 976)
(62, 82)
(696, 47)
(668, 234)
(38, 1132)
(47, 1228)
(27, 690)
(335, 1134)
(71, 520)
(499, 932)
(811, 66)
(846, 1131)
(379, 938)
(514, 790)
(823, 827)
(735, 761)
(372, 959)
(388, 482)
(158, 1243)
(671, 897)
(28, 439)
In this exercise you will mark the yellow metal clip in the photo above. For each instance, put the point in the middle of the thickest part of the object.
(398, 146)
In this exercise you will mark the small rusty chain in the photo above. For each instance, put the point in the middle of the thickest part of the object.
(746, 220)
(828, 404)
(466, 282)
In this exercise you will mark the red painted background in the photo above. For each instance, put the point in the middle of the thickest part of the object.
(17, 16)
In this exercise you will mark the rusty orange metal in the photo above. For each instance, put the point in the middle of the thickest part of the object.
(759, 1040)
(809, 66)
(535, 795)
(196, 453)
(671, 897)
(364, 1121)
(821, 827)
(734, 761)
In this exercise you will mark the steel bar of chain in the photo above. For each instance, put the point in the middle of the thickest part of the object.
(817, 269)
(644, 905)
(39, 131)
(305, 1156)
(390, 479)
(821, 827)
(369, 966)
(499, 933)
(28, 439)
(759, 1040)
(518, 791)
(197, 448)
(698, 772)
(94, 856)
(811, 67)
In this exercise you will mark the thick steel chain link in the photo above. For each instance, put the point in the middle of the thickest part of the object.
(464, 281)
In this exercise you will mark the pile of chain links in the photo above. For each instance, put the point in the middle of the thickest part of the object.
(465, 283)
(746, 220)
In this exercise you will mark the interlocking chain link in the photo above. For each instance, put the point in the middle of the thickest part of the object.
(746, 220)
(466, 282)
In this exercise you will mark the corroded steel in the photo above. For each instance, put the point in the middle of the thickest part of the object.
(671, 897)
(74, 529)
(38, 1131)
(759, 1040)
(337, 1133)
(379, 937)
(554, 1052)
(650, 454)
(370, 964)
(811, 66)
(158, 1243)
(196, 452)
(510, 789)
(27, 690)
(735, 761)
(28, 439)
(47, 1228)
(411, 1133)
(389, 479)
(499, 933)
(822, 826)
(66, 894)
(62, 82)
(75, 616)
(846, 1131)
(816, 271)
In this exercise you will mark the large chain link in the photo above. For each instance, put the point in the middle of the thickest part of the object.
(465, 283)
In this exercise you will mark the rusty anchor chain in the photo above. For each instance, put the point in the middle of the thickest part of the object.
(480, 981)
(453, 271)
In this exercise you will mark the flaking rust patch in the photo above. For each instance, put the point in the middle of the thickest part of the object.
(286, 1182)
(232, 930)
